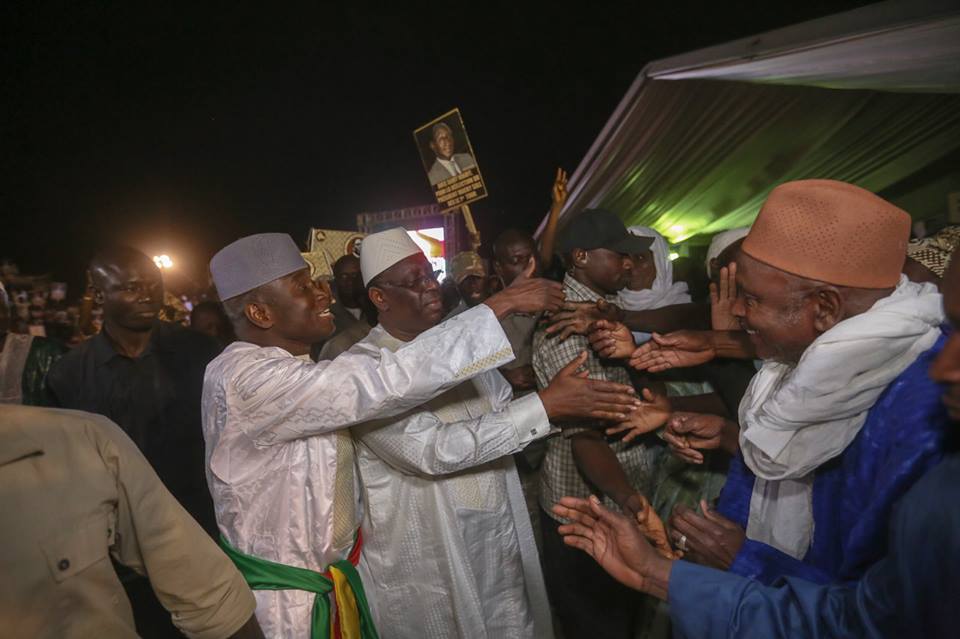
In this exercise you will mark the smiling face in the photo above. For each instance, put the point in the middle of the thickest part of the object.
(299, 308)
(774, 310)
(946, 367)
(442, 142)
(131, 290)
(407, 296)
(644, 271)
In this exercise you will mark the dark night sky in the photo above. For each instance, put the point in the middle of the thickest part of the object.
(180, 129)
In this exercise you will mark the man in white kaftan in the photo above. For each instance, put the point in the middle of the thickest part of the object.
(280, 469)
(448, 546)
(281, 473)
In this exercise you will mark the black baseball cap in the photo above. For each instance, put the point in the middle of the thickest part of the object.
(598, 228)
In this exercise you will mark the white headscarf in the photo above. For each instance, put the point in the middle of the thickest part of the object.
(663, 291)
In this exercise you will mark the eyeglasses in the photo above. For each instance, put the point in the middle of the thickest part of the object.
(419, 283)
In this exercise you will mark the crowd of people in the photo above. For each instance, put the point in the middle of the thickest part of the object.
(564, 438)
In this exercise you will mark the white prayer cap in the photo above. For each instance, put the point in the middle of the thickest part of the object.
(721, 241)
(380, 251)
(253, 261)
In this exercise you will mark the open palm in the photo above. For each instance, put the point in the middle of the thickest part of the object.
(613, 540)
(680, 349)
(722, 299)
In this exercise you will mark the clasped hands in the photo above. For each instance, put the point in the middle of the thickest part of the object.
(680, 349)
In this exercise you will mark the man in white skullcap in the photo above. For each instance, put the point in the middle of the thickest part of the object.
(279, 465)
(449, 549)
(721, 242)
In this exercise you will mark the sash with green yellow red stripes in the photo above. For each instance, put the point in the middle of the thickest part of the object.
(353, 619)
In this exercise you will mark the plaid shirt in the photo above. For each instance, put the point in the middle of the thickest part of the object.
(559, 476)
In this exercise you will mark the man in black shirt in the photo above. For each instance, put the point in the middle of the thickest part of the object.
(145, 375)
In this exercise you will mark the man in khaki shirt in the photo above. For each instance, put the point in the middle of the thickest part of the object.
(74, 492)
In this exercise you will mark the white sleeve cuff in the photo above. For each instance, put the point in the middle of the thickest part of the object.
(529, 418)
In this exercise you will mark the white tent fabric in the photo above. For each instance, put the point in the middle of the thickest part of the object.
(868, 96)
(880, 62)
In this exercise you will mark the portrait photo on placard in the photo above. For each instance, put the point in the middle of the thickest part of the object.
(449, 160)
(444, 147)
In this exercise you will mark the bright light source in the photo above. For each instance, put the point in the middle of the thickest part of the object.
(676, 228)
(673, 256)
(430, 242)
(163, 261)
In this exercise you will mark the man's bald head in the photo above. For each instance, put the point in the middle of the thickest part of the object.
(129, 286)
(112, 259)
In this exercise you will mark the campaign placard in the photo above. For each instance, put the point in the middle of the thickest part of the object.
(327, 246)
(449, 161)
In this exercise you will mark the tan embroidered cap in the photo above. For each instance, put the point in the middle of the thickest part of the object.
(831, 232)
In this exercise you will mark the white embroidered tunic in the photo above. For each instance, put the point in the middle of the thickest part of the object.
(280, 470)
(448, 545)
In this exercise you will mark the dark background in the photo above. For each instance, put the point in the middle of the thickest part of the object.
(180, 128)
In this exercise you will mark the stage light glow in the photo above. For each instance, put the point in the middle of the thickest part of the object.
(431, 243)
(163, 261)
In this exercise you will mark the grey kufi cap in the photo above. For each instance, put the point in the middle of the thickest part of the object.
(253, 261)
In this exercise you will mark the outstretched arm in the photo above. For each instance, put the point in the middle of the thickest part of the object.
(576, 318)
(705, 602)
(599, 464)
(669, 318)
(681, 349)
(419, 443)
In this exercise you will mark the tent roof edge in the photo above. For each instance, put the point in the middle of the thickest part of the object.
(882, 16)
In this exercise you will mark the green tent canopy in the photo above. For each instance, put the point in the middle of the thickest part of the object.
(870, 96)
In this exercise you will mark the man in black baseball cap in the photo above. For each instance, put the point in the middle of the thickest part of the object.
(596, 248)
(598, 245)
